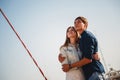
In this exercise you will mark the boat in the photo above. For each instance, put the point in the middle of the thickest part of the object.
(112, 74)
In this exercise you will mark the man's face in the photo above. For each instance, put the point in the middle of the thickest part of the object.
(79, 25)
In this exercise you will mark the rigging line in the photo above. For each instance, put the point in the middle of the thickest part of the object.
(102, 56)
(23, 43)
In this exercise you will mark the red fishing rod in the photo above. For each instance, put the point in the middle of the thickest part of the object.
(23, 44)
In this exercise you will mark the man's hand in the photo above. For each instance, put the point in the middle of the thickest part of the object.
(65, 67)
(60, 58)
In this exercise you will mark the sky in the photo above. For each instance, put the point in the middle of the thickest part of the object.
(42, 26)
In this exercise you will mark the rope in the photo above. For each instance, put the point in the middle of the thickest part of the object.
(23, 44)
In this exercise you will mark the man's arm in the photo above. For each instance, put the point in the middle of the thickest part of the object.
(80, 63)
(60, 58)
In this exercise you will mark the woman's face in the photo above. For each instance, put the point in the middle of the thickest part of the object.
(71, 33)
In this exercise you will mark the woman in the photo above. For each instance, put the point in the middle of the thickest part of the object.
(72, 54)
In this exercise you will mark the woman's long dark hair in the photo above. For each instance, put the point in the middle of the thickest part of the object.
(67, 41)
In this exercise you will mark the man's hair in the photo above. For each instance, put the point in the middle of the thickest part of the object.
(83, 19)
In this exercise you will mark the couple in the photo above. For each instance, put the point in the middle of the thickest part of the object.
(79, 54)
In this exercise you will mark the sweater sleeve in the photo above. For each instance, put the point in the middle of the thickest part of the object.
(64, 54)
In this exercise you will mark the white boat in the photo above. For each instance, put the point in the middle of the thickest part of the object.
(112, 74)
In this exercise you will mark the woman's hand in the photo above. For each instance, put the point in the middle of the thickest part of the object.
(96, 56)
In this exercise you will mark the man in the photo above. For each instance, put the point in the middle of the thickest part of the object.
(88, 45)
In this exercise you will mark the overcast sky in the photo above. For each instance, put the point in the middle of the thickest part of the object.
(42, 24)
